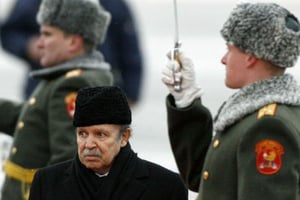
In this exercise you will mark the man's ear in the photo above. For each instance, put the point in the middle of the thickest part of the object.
(251, 60)
(76, 43)
(125, 137)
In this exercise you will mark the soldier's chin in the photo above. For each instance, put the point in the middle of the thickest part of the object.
(44, 63)
(48, 62)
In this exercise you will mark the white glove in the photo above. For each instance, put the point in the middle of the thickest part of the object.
(189, 89)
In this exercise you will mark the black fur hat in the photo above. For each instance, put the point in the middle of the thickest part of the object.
(84, 17)
(101, 105)
(265, 30)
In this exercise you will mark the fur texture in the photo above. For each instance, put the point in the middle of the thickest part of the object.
(265, 30)
(281, 89)
(84, 17)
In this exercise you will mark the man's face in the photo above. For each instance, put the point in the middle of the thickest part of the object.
(98, 145)
(236, 62)
(53, 44)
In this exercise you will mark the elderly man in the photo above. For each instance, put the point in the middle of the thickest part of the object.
(105, 167)
(42, 126)
(255, 151)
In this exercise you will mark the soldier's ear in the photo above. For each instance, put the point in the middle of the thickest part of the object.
(75, 43)
(251, 60)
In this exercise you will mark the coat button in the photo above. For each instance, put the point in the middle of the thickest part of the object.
(216, 143)
(32, 101)
(14, 150)
(205, 175)
(21, 125)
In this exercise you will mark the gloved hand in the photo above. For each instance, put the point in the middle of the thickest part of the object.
(189, 89)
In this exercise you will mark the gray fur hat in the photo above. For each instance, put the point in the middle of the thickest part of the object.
(84, 17)
(265, 30)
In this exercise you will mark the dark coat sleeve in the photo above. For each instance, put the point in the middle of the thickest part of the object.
(9, 115)
(190, 133)
(35, 190)
(164, 184)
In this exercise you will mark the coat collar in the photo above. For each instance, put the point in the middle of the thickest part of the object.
(280, 89)
(92, 60)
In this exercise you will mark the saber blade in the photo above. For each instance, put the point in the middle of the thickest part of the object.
(176, 24)
(177, 44)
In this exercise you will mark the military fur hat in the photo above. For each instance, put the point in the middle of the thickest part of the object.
(101, 105)
(84, 17)
(265, 30)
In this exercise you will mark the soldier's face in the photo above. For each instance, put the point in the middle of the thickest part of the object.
(98, 145)
(236, 63)
(54, 46)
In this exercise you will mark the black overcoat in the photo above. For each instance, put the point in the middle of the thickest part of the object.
(142, 181)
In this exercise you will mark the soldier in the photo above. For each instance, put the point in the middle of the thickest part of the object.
(42, 126)
(121, 47)
(255, 151)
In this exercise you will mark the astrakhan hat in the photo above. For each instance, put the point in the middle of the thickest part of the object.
(101, 105)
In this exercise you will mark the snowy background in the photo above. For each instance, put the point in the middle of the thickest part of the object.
(199, 24)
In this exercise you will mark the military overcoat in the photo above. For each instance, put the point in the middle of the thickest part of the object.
(255, 156)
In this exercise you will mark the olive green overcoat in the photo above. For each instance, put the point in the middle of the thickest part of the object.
(255, 158)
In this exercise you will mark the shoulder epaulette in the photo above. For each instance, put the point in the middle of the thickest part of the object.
(269, 109)
(73, 73)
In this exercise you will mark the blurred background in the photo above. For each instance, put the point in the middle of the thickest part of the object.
(199, 25)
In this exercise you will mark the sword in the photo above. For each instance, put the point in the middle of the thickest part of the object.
(174, 53)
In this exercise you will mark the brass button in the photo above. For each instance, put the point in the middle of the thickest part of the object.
(205, 175)
(14, 150)
(21, 125)
(216, 143)
(32, 101)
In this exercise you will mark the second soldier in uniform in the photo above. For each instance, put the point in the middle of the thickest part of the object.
(42, 126)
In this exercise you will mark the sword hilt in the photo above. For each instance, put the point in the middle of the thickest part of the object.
(177, 77)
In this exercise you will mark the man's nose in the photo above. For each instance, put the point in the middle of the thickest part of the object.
(223, 60)
(90, 142)
(40, 42)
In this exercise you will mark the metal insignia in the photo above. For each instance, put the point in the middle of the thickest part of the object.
(70, 102)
